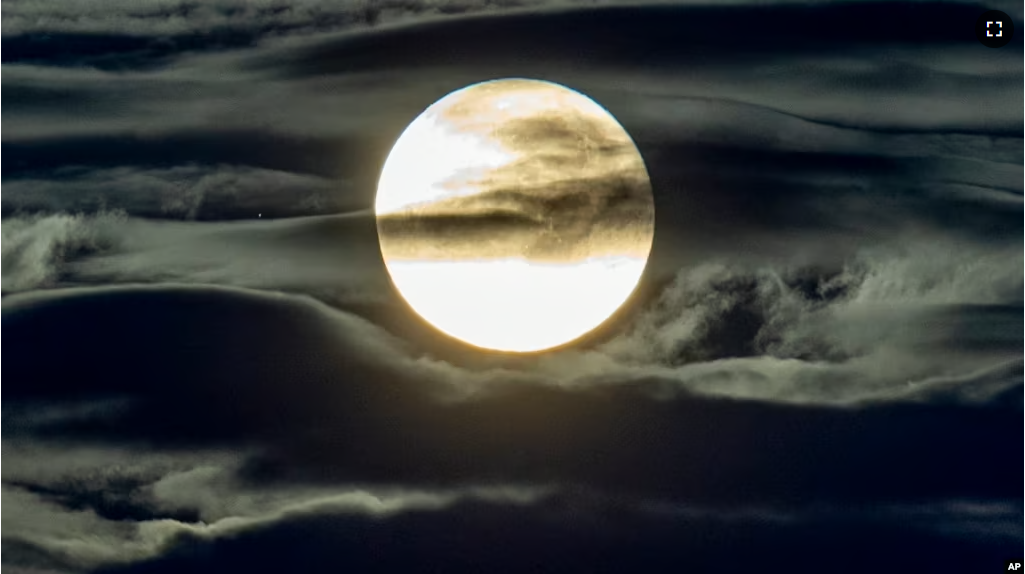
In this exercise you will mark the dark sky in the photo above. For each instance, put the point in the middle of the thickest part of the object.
(212, 373)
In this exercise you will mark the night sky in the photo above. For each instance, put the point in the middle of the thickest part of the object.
(212, 372)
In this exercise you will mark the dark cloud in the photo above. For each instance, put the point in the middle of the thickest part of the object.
(574, 218)
(715, 199)
(324, 255)
(253, 148)
(114, 52)
(189, 192)
(118, 36)
(208, 365)
(531, 524)
(820, 369)
(709, 199)
(672, 34)
(570, 533)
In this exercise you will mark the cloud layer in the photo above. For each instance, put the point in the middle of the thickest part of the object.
(209, 370)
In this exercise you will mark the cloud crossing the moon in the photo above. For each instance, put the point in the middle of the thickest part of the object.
(515, 214)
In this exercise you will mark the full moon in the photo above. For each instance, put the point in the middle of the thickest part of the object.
(515, 215)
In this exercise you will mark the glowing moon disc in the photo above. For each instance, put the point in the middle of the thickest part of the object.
(515, 215)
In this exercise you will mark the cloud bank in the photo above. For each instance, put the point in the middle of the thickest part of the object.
(208, 368)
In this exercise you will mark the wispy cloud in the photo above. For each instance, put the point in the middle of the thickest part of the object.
(62, 530)
(188, 192)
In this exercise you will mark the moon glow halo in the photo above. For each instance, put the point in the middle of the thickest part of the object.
(515, 215)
